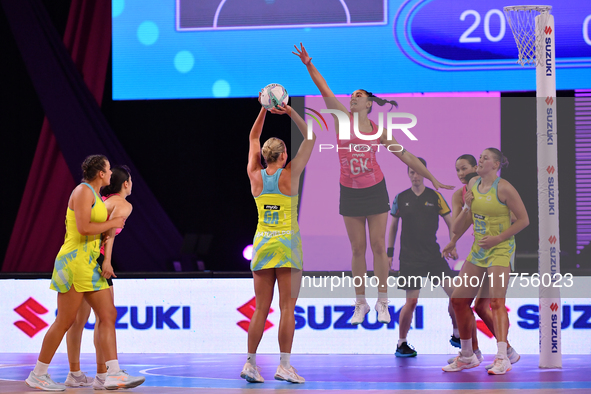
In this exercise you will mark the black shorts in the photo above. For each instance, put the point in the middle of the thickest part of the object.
(412, 271)
(367, 201)
(100, 260)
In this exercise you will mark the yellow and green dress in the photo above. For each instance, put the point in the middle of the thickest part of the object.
(76, 263)
(491, 217)
(277, 242)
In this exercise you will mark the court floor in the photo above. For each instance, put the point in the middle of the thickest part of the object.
(347, 374)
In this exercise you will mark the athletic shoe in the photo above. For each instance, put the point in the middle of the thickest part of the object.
(501, 365)
(361, 309)
(78, 381)
(43, 382)
(383, 312)
(122, 380)
(288, 374)
(452, 359)
(462, 362)
(98, 383)
(251, 373)
(405, 351)
(478, 354)
(511, 354)
(455, 342)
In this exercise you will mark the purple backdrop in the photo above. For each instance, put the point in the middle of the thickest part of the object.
(448, 125)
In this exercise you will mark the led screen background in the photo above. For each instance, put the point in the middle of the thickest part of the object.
(157, 317)
(164, 49)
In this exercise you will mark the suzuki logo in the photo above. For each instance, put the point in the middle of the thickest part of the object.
(552, 239)
(29, 310)
(483, 328)
(548, 30)
(550, 169)
(554, 307)
(248, 311)
(549, 100)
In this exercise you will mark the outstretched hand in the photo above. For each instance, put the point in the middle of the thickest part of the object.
(437, 185)
(281, 110)
(302, 54)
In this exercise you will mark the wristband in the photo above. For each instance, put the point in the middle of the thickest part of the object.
(390, 252)
(466, 207)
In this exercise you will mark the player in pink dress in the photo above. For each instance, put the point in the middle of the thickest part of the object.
(364, 198)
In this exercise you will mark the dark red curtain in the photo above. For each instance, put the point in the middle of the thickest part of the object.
(50, 182)
(88, 39)
(35, 238)
(150, 240)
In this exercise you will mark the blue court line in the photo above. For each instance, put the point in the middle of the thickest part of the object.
(20, 372)
(275, 385)
(157, 380)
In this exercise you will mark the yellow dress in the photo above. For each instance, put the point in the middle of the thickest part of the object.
(277, 242)
(76, 263)
(491, 217)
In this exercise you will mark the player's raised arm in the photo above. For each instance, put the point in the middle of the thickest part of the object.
(329, 98)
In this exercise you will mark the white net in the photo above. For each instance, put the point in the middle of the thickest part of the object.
(522, 20)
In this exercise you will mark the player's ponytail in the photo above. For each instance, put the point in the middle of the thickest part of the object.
(379, 101)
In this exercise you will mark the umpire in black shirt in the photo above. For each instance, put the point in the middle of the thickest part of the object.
(419, 208)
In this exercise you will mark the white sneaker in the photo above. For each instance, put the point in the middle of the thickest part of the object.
(251, 373)
(501, 365)
(122, 380)
(461, 362)
(511, 354)
(289, 375)
(478, 354)
(383, 312)
(98, 383)
(452, 359)
(78, 381)
(361, 309)
(43, 382)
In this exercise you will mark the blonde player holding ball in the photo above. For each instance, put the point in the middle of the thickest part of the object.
(277, 250)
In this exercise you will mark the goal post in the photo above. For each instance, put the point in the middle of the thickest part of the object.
(533, 30)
